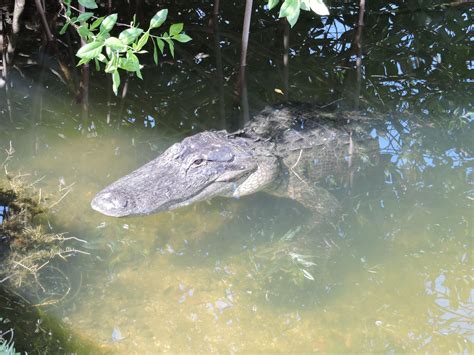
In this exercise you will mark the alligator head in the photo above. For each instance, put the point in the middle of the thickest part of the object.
(200, 167)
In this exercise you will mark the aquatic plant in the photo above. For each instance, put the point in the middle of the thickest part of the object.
(7, 346)
(285, 257)
(25, 248)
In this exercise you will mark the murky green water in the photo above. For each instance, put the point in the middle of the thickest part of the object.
(395, 274)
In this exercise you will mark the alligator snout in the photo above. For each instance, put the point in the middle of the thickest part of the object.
(111, 203)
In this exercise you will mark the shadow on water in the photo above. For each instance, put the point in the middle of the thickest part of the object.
(395, 271)
(32, 329)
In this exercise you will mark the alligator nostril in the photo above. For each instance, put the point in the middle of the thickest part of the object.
(118, 201)
(110, 201)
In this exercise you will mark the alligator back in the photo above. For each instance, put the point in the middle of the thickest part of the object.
(317, 146)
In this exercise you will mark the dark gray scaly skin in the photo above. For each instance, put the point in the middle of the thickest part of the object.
(287, 150)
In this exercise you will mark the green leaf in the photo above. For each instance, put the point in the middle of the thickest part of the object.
(272, 3)
(291, 10)
(64, 28)
(139, 74)
(171, 45)
(108, 23)
(97, 64)
(133, 60)
(159, 18)
(130, 63)
(115, 44)
(102, 58)
(130, 35)
(142, 41)
(183, 38)
(102, 36)
(90, 50)
(83, 61)
(84, 31)
(84, 16)
(160, 44)
(176, 28)
(125, 64)
(115, 81)
(96, 23)
(319, 7)
(155, 53)
(112, 65)
(305, 5)
(90, 4)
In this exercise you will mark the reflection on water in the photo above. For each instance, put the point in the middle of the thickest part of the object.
(397, 275)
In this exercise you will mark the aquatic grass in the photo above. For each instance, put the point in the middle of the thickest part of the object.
(26, 250)
(7, 346)
(284, 257)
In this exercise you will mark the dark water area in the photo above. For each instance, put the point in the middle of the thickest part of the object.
(395, 272)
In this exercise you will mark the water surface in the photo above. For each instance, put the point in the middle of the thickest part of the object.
(397, 273)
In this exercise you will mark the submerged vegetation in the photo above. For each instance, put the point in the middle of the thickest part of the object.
(26, 250)
(7, 345)
(30, 274)
(283, 261)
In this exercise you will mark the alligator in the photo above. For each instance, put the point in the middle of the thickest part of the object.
(288, 150)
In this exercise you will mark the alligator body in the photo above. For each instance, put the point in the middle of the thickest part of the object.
(292, 150)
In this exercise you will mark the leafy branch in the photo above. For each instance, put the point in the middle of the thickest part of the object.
(118, 53)
(291, 8)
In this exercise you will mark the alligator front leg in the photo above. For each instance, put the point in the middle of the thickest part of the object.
(322, 203)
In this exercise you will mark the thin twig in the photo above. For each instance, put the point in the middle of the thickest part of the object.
(62, 197)
(60, 237)
(35, 182)
(298, 160)
(294, 165)
(26, 267)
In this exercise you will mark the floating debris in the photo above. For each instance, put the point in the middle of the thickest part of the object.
(223, 304)
(307, 275)
(117, 335)
(229, 294)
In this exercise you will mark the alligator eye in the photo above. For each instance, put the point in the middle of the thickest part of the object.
(198, 162)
